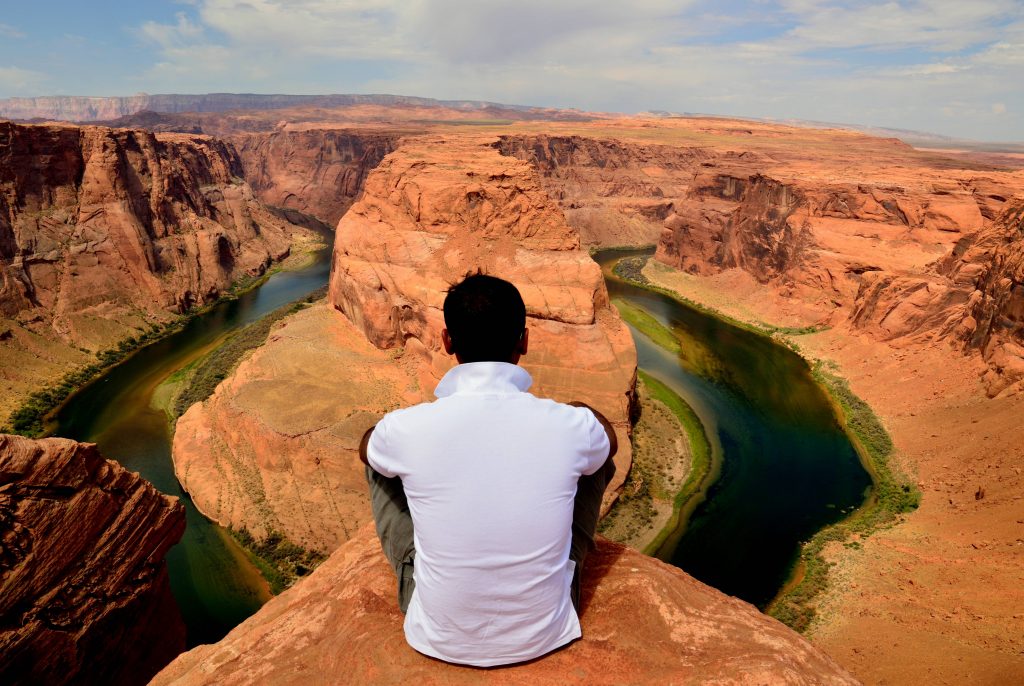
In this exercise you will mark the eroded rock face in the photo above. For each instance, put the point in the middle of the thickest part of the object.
(974, 297)
(105, 232)
(441, 208)
(319, 172)
(613, 193)
(643, 621)
(84, 593)
(275, 448)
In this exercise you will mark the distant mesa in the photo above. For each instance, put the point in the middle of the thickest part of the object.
(77, 108)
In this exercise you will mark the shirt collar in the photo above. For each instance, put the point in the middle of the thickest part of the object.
(483, 377)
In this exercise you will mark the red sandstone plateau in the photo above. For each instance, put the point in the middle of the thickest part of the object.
(644, 622)
(104, 233)
(274, 449)
(84, 593)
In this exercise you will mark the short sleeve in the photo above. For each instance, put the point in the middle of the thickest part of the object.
(598, 446)
(378, 454)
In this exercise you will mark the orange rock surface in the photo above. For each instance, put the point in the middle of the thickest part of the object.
(275, 448)
(644, 622)
(84, 593)
(105, 232)
(319, 172)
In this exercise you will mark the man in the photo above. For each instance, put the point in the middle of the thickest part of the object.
(486, 500)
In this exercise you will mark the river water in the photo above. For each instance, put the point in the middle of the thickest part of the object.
(787, 468)
(214, 583)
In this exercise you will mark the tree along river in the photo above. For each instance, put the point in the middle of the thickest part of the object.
(787, 469)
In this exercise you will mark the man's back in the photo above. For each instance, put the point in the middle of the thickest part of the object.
(490, 473)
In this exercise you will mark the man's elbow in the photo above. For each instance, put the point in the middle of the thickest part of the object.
(364, 444)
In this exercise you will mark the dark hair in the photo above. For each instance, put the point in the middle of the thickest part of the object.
(485, 317)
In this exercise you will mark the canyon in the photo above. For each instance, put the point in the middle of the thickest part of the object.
(254, 457)
(108, 233)
(82, 571)
(908, 263)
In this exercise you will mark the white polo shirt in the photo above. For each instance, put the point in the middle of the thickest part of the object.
(490, 473)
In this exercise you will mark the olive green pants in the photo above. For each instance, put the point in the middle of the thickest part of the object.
(394, 526)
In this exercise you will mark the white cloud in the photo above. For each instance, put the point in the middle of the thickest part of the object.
(884, 63)
(18, 81)
(9, 31)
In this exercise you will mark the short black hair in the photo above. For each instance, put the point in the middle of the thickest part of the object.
(485, 317)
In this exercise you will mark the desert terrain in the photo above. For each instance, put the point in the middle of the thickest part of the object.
(910, 261)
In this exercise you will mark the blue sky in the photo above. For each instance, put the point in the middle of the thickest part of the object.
(954, 67)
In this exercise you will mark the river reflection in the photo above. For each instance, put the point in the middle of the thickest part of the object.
(786, 467)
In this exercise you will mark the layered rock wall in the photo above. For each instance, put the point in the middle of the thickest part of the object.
(319, 172)
(643, 621)
(974, 297)
(105, 232)
(84, 593)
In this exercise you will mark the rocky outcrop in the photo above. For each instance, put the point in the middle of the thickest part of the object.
(319, 172)
(974, 297)
(441, 208)
(274, 449)
(105, 232)
(643, 621)
(84, 593)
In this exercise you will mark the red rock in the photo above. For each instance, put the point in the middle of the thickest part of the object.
(104, 232)
(84, 593)
(644, 622)
(319, 172)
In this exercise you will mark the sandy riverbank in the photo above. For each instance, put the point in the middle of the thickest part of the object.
(938, 598)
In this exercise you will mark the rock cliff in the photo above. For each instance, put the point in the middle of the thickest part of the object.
(644, 622)
(274, 449)
(319, 172)
(84, 593)
(105, 232)
(847, 227)
(974, 296)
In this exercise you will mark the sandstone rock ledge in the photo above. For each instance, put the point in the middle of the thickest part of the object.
(84, 593)
(644, 622)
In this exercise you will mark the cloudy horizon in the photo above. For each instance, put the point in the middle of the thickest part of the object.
(939, 66)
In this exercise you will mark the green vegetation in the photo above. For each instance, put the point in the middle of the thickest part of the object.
(30, 418)
(892, 495)
(648, 326)
(629, 269)
(700, 458)
(279, 560)
(198, 381)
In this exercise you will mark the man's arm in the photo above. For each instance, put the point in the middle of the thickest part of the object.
(612, 441)
(365, 441)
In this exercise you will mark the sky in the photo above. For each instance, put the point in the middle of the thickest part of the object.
(953, 67)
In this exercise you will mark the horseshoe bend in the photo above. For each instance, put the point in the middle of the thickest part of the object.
(896, 273)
